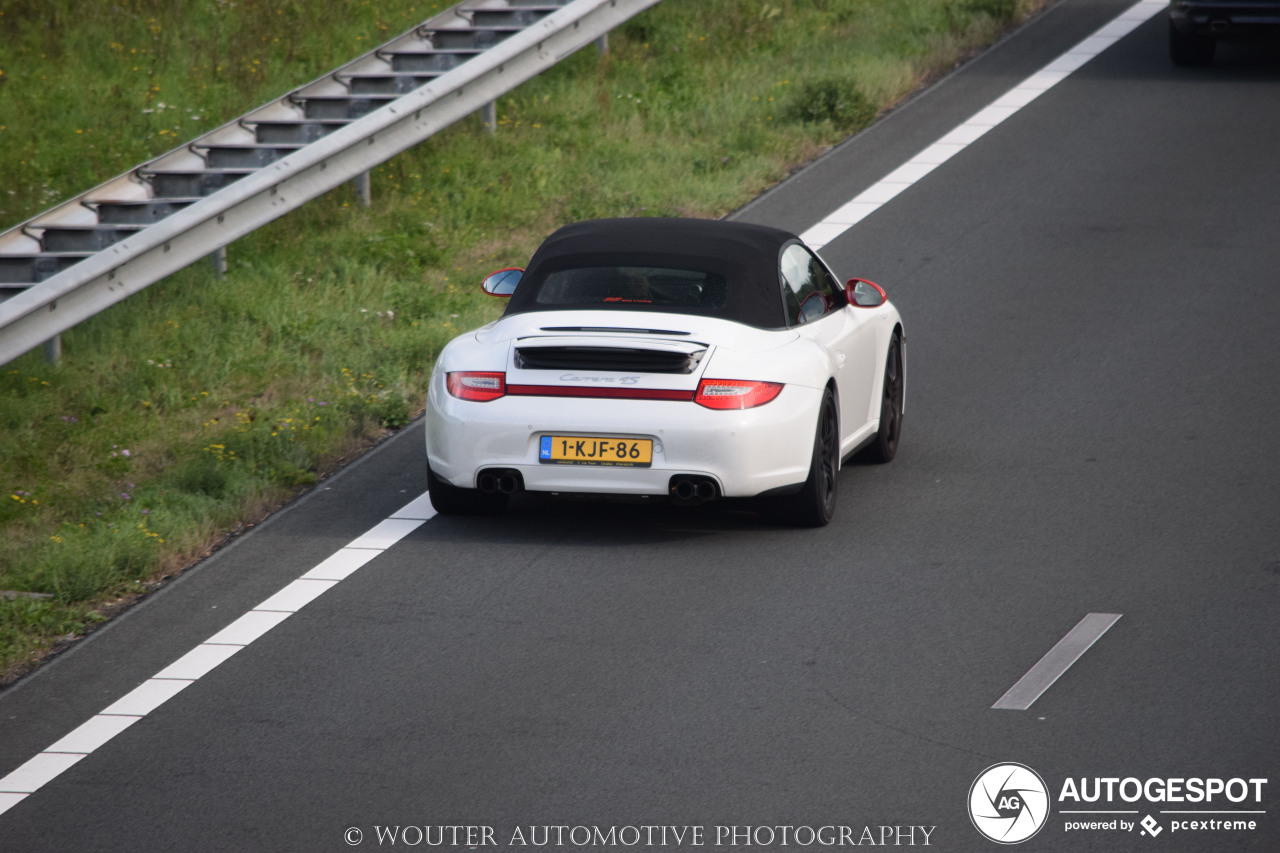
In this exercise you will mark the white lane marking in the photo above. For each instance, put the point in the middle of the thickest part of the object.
(342, 564)
(148, 696)
(1058, 660)
(297, 595)
(871, 199)
(93, 734)
(184, 672)
(31, 776)
(248, 628)
(418, 509)
(198, 662)
(386, 533)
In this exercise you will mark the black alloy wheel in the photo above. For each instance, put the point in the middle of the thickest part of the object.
(815, 503)
(885, 445)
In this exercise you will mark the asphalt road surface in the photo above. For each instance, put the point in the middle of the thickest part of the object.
(1091, 294)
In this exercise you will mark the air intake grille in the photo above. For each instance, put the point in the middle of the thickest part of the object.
(607, 358)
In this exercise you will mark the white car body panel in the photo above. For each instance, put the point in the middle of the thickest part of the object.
(746, 452)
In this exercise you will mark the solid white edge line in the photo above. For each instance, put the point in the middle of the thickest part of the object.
(881, 192)
(937, 154)
(93, 734)
(296, 596)
(839, 221)
(1069, 63)
(386, 533)
(248, 628)
(42, 768)
(148, 696)
(1056, 662)
(967, 133)
(419, 508)
(910, 172)
(9, 800)
(186, 670)
(824, 232)
(198, 662)
(992, 115)
(342, 564)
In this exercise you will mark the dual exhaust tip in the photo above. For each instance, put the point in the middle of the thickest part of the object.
(692, 489)
(500, 480)
(684, 489)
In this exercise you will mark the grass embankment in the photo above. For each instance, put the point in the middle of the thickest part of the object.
(201, 403)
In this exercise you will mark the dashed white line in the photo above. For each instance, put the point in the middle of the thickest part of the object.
(871, 199)
(186, 670)
(1057, 661)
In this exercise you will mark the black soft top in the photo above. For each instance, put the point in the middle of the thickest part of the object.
(745, 256)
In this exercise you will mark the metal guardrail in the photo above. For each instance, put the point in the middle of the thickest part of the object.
(87, 254)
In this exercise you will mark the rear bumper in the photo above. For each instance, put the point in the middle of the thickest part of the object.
(745, 452)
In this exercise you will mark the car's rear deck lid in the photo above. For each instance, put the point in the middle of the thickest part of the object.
(631, 356)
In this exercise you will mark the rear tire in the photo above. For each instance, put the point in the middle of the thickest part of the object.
(449, 499)
(815, 503)
(1190, 50)
(885, 445)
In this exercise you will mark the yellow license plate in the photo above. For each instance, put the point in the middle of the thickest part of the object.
(595, 450)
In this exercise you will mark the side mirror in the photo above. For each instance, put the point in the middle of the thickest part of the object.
(503, 282)
(865, 294)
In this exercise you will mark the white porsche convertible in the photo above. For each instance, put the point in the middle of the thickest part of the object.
(680, 358)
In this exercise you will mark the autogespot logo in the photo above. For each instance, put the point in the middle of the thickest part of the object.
(1008, 803)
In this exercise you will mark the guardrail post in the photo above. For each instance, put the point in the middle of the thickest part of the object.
(489, 115)
(364, 189)
(53, 350)
(602, 44)
(219, 260)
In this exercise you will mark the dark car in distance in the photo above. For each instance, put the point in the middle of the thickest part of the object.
(1196, 26)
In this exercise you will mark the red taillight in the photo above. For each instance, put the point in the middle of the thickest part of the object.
(735, 393)
(477, 386)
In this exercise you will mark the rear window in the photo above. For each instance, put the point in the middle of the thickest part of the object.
(678, 290)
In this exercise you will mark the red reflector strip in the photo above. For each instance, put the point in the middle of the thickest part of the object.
(605, 392)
